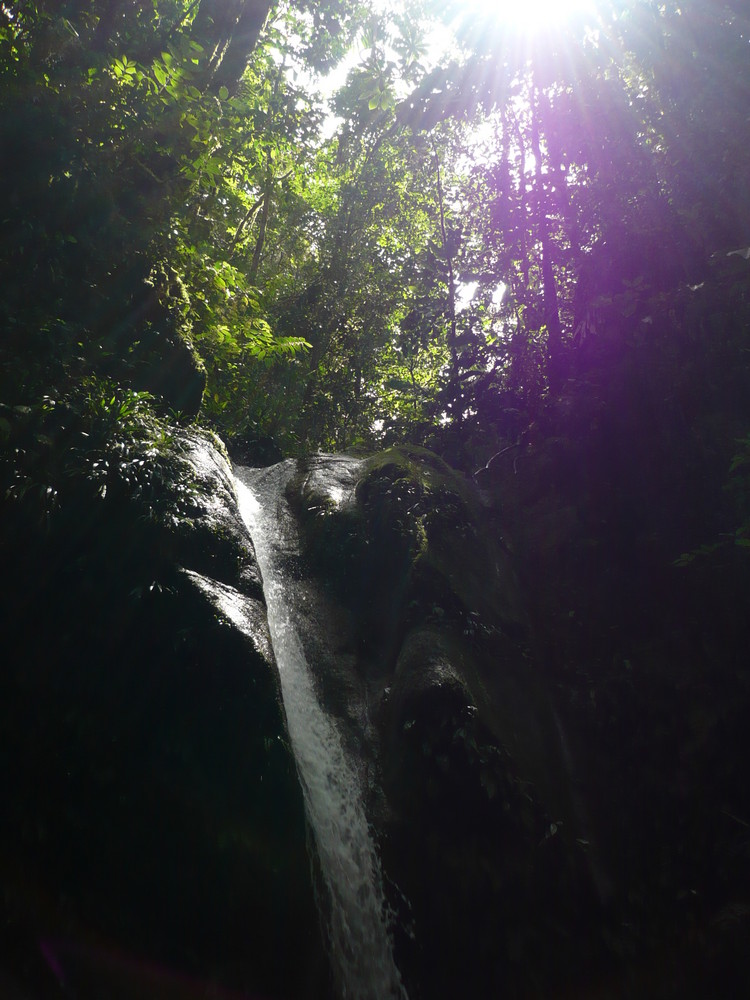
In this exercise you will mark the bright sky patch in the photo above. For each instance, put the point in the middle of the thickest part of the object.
(528, 15)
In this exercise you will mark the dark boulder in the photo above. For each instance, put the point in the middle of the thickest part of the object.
(151, 814)
(474, 802)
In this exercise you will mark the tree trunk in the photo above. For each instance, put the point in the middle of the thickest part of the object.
(229, 29)
(265, 210)
(549, 286)
(454, 383)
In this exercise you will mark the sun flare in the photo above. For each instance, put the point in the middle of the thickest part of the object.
(529, 15)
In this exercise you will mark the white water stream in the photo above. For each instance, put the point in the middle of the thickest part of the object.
(360, 941)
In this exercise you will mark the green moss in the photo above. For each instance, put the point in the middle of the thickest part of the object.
(400, 539)
(426, 471)
(431, 515)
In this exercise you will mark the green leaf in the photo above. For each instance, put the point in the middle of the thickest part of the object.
(685, 559)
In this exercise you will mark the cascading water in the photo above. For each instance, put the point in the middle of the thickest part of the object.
(360, 941)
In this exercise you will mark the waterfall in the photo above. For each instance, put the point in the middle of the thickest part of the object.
(360, 941)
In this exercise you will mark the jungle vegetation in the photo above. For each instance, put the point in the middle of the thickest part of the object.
(428, 256)
(351, 225)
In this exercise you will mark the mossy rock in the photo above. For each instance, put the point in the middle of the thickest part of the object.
(152, 794)
(471, 828)
(333, 528)
(432, 521)
(399, 538)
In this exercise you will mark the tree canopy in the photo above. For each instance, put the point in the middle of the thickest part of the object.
(426, 257)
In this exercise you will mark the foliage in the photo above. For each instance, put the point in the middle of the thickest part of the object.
(170, 162)
(113, 122)
(544, 173)
(737, 489)
(96, 448)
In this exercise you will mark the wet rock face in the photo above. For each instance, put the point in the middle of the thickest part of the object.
(472, 796)
(152, 808)
(399, 538)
